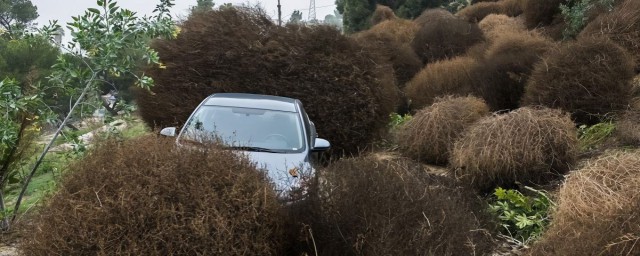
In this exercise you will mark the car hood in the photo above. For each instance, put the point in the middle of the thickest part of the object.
(278, 168)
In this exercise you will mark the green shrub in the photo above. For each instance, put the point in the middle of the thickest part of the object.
(523, 217)
(397, 119)
(576, 14)
(591, 136)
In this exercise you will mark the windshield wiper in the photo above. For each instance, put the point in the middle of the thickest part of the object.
(255, 149)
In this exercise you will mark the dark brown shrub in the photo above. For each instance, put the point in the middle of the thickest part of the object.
(588, 78)
(628, 128)
(540, 12)
(622, 25)
(445, 38)
(477, 12)
(511, 8)
(496, 25)
(147, 197)
(383, 44)
(403, 30)
(429, 136)
(529, 145)
(555, 30)
(597, 210)
(506, 67)
(346, 93)
(381, 14)
(455, 76)
(393, 207)
(432, 15)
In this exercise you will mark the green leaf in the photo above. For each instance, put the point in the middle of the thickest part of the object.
(94, 10)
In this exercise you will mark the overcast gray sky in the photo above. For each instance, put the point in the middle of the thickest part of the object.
(63, 10)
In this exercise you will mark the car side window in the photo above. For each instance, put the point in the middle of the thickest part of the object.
(309, 127)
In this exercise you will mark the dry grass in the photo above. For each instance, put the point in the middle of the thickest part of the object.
(437, 80)
(529, 145)
(147, 197)
(589, 78)
(393, 207)
(597, 212)
(429, 136)
(622, 25)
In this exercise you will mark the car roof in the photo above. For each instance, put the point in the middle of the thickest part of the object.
(247, 100)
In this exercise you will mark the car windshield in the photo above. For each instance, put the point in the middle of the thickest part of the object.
(247, 128)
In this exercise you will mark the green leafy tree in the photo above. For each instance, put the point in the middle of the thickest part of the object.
(296, 17)
(203, 5)
(356, 14)
(22, 111)
(26, 59)
(411, 9)
(109, 41)
(16, 14)
(226, 6)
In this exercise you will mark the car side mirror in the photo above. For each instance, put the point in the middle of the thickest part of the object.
(169, 132)
(321, 145)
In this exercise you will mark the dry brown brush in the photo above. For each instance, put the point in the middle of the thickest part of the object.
(589, 78)
(628, 128)
(495, 25)
(403, 30)
(393, 207)
(622, 25)
(529, 146)
(382, 13)
(429, 136)
(506, 67)
(147, 197)
(541, 12)
(384, 45)
(477, 12)
(345, 91)
(445, 38)
(512, 8)
(597, 212)
(455, 76)
(432, 15)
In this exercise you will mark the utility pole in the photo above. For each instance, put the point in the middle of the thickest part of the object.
(279, 14)
(312, 11)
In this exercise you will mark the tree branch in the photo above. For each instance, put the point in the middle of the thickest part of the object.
(46, 149)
